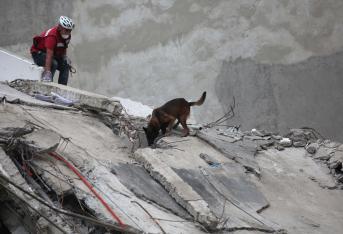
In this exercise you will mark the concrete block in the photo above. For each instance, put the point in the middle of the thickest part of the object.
(40, 141)
(80, 97)
(177, 187)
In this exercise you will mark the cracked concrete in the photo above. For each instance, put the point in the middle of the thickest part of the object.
(188, 184)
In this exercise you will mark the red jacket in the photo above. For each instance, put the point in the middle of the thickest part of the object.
(50, 39)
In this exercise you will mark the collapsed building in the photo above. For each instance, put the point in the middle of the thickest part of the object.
(76, 162)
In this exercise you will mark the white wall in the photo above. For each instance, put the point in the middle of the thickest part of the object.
(13, 67)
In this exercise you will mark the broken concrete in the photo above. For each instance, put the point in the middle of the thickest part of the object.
(182, 186)
(177, 188)
(8, 169)
(12, 95)
(312, 148)
(222, 186)
(95, 151)
(290, 180)
(238, 151)
(40, 141)
(137, 179)
(82, 98)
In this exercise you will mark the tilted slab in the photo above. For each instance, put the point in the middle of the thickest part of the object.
(93, 149)
(12, 95)
(214, 178)
(138, 180)
(39, 141)
(80, 97)
(237, 151)
(232, 181)
(177, 188)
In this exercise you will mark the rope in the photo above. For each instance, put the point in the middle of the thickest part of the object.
(87, 183)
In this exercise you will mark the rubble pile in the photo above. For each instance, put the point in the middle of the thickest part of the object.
(84, 167)
(109, 111)
(324, 150)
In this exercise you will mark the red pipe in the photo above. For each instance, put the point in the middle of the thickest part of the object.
(84, 180)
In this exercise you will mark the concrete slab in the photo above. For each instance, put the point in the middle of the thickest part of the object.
(292, 161)
(39, 141)
(185, 157)
(140, 183)
(235, 184)
(237, 150)
(297, 202)
(177, 188)
(95, 150)
(223, 202)
(80, 97)
(12, 95)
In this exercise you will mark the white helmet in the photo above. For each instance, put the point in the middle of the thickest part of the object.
(66, 22)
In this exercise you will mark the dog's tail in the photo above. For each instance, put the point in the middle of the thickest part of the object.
(200, 101)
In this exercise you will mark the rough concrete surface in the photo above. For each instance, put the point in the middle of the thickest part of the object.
(183, 185)
(182, 156)
(93, 148)
(289, 181)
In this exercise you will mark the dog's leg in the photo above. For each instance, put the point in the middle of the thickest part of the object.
(183, 121)
(167, 120)
(164, 128)
(177, 124)
(171, 124)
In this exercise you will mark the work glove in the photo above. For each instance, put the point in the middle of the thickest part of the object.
(67, 60)
(46, 76)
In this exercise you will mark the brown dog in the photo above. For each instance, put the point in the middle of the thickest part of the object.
(163, 117)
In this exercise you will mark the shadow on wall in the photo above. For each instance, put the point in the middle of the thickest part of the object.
(279, 97)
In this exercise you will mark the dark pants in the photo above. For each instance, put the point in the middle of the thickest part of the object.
(60, 64)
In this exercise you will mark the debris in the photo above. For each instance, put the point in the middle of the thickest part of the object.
(255, 132)
(323, 153)
(218, 193)
(340, 178)
(209, 160)
(260, 133)
(300, 137)
(286, 142)
(39, 141)
(312, 148)
(336, 161)
(276, 137)
(239, 151)
(279, 147)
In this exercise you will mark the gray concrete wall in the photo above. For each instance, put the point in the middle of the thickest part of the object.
(304, 94)
(281, 59)
(20, 19)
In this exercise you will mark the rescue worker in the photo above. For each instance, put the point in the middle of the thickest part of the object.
(49, 50)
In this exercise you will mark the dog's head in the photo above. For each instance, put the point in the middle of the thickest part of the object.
(151, 134)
